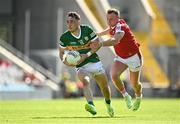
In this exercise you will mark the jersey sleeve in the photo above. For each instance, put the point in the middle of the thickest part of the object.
(61, 42)
(92, 34)
(118, 28)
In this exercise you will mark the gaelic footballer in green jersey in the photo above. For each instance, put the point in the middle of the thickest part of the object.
(79, 38)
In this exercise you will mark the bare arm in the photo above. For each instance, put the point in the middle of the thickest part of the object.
(110, 42)
(105, 32)
(114, 40)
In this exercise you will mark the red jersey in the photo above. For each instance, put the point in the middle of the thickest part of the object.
(127, 46)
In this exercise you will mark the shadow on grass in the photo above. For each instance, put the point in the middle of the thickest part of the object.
(74, 117)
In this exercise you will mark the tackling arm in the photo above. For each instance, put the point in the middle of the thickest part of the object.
(114, 40)
(105, 32)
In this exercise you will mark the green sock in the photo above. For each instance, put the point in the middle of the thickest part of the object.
(108, 101)
(91, 102)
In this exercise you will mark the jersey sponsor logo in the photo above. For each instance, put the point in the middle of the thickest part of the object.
(86, 38)
(81, 42)
(92, 34)
(72, 43)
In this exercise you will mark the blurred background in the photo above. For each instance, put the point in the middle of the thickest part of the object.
(30, 67)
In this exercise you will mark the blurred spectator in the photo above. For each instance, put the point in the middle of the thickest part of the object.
(9, 72)
(30, 78)
(68, 87)
(80, 87)
(71, 89)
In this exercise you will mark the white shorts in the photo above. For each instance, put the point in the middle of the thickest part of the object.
(93, 68)
(134, 62)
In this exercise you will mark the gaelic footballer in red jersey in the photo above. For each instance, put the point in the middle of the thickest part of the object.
(127, 46)
(127, 56)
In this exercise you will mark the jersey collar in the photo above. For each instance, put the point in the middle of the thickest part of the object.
(78, 35)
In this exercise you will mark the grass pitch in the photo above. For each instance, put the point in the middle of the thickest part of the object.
(71, 111)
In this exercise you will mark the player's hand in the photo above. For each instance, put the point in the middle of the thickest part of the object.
(98, 34)
(83, 57)
(95, 46)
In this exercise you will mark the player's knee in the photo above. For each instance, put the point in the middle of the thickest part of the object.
(85, 81)
(85, 84)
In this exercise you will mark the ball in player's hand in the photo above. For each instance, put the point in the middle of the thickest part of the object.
(72, 57)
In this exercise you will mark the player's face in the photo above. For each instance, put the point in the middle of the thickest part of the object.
(112, 19)
(72, 24)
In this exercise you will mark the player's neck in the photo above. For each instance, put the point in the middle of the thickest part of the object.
(76, 32)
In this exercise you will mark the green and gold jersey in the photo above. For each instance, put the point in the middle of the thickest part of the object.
(80, 43)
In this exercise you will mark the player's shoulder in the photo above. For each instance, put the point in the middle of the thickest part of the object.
(64, 35)
(85, 26)
(121, 23)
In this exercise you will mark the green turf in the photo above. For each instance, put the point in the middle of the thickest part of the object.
(71, 111)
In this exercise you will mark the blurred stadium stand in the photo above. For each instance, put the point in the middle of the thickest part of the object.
(32, 28)
(21, 77)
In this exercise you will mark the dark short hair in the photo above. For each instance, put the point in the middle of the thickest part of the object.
(74, 15)
(113, 10)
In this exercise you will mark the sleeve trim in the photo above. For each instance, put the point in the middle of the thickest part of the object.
(94, 38)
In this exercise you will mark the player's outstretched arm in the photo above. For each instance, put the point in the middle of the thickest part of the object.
(110, 42)
(114, 40)
(105, 32)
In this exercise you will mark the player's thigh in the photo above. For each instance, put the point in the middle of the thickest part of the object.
(83, 75)
(98, 73)
(117, 68)
(101, 79)
(135, 62)
(94, 68)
